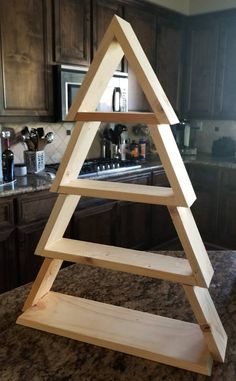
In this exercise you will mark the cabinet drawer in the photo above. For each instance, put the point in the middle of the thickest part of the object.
(6, 213)
(34, 207)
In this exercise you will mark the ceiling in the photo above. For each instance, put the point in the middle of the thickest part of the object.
(192, 7)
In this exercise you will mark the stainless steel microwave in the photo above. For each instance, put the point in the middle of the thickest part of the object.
(69, 80)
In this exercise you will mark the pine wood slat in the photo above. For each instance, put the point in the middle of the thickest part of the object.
(128, 117)
(165, 340)
(209, 321)
(120, 191)
(121, 259)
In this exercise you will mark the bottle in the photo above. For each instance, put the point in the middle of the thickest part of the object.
(123, 150)
(142, 149)
(7, 160)
(133, 150)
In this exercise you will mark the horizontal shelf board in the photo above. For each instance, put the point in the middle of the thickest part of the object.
(128, 117)
(164, 340)
(121, 259)
(120, 191)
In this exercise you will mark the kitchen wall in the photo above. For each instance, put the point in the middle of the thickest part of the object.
(206, 131)
(54, 151)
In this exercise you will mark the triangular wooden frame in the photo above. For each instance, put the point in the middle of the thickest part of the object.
(181, 344)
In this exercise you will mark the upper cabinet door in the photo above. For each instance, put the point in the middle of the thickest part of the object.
(25, 83)
(225, 99)
(143, 22)
(103, 11)
(170, 40)
(72, 31)
(201, 61)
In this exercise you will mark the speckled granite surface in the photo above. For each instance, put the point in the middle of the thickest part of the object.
(32, 183)
(31, 355)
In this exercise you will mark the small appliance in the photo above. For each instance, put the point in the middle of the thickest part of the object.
(69, 79)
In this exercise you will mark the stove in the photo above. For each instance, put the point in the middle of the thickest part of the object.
(99, 167)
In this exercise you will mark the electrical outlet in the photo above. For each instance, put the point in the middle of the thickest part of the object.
(198, 125)
(68, 132)
(217, 129)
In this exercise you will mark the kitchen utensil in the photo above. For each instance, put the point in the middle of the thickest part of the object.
(40, 132)
(49, 137)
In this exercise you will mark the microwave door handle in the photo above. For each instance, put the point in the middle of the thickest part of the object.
(116, 99)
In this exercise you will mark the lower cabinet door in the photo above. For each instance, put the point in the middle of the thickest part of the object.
(95, 224)
(29, 264)
(8, 260)
(133, 225)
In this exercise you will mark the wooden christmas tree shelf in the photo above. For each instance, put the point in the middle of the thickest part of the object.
(153, 337)
(173, 342)
(120, 259)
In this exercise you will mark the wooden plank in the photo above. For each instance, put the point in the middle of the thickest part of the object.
(192, 244)
(121, 259)
(173, 163)
(125, 117)
(120, 191)
(53, 231)
(144, 72)
(209, 321)
(43, 281)
(165, 340)
(106, 61)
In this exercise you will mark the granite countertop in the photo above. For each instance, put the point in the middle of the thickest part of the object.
(32, 183)
(30, 355)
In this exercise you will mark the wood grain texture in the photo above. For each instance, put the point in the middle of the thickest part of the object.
(125, 117)
(121, 259)
(173, 163)
(192, 244)
(120, 191)
(209, 321)
(165, 340)
(145, 74)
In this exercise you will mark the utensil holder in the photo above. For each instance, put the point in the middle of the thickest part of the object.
(35, 161)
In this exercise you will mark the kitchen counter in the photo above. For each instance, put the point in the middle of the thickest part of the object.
(27, 354)
(33, 183)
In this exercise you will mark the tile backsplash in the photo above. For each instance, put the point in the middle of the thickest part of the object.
(55, 150)
(205, 132)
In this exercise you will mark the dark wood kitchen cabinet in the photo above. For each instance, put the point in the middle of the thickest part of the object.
(225, 92)
(26, 74)
(133, 219)
(200, 66)
(8, 257)
(162, 227)
(170, 46)
(72, 19)
(103, 11)
(205, 181)
(143, 22)
(94, 222)
(227, 210)
(32, 212)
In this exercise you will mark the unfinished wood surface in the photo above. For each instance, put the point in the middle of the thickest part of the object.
(209, 321)
(173, 163)
(192, 244)
(106, 61)
(53, 231)
(120, 191)
(43, 282)
(58, 221)
(125, 117)
(143, 71)
(165, 340)
(121, 259)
